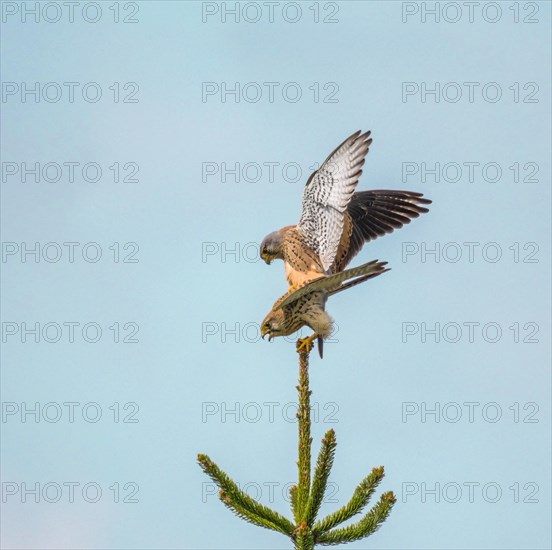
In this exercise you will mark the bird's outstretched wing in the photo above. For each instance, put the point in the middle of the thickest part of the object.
(372, 214)
(333, 283)
(327, 194)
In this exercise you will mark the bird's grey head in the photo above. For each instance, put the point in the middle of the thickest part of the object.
(271, 247)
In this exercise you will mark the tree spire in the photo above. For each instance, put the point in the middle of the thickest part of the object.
(306, 497)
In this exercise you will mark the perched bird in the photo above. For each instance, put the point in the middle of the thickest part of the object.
(306, 305)
(335, 221)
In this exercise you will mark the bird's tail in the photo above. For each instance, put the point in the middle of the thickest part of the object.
(333, 283)
(362, 273)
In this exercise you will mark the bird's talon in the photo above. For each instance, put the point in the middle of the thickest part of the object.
(306, 343)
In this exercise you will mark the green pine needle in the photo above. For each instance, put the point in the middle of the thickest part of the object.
(237, 499)
(358, 501)
(321, 474)
(293, 501)
(365, 527)
(247, 515)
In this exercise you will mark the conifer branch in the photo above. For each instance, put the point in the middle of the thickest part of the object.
(365, 527)
(241, 503)
(304, 539)
(321, 474)
(247, 515)
(359, 500)
(305, 440)
(293, 501)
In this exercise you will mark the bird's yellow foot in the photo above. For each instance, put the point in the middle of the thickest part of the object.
(306, 343)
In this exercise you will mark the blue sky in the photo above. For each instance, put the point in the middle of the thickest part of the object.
(147, 291)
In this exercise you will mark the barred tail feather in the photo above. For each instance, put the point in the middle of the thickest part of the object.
(332, 283)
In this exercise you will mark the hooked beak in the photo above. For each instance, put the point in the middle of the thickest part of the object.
(265, 331)
(266, 258)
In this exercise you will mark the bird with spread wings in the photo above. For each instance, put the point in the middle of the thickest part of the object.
(335, 223)
(335, 220)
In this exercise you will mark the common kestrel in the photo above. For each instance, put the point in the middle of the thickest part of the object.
(306, 305)
(335, 221)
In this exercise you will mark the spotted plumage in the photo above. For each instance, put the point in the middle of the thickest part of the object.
(307, 304)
